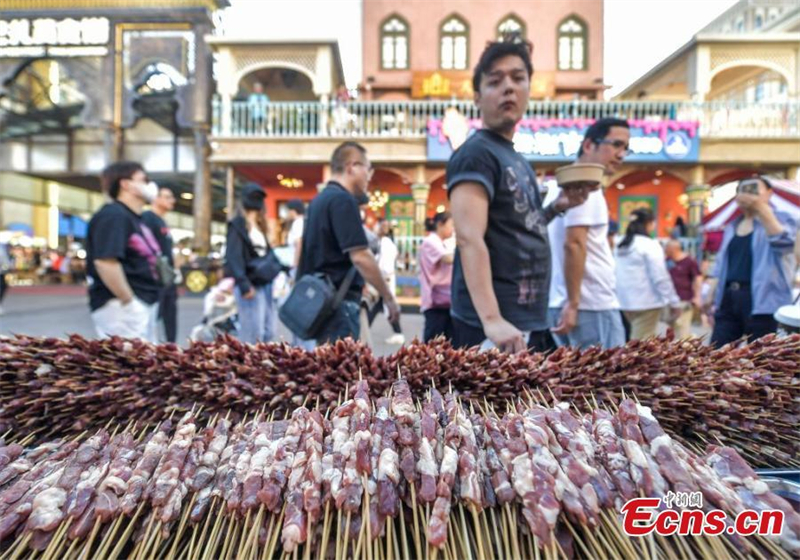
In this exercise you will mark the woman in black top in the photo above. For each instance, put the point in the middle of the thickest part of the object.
(246, 241)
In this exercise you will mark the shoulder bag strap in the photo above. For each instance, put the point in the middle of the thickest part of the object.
(345, 285)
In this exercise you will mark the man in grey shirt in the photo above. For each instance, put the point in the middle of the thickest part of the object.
(501, 274)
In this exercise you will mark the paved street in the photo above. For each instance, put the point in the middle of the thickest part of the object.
(60, 310)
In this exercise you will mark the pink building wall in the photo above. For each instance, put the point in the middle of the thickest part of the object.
(541, 18)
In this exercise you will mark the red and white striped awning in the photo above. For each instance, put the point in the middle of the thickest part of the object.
(786, 197)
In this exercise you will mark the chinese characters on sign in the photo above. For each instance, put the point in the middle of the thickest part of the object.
(454, 84)
(50, 37)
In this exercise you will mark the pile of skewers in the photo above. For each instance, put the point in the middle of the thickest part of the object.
(384, 479)
(747, 397)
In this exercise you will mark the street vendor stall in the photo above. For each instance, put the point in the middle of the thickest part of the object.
(117, 448)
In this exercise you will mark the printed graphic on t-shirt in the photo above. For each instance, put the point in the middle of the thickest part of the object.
(532, 279)
(145, 247)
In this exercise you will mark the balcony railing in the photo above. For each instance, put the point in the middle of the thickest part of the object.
(409, 119)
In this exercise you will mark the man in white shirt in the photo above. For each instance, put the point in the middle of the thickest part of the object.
(294, 239)
(584, 309)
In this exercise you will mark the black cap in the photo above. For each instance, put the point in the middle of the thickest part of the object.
(297, 205)
(253, 196)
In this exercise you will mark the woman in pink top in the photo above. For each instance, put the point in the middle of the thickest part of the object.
(435, 275)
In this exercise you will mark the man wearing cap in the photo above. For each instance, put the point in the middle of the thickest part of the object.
(334, 242)
(247, 241)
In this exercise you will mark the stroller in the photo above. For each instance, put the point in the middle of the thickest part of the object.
(219, 313)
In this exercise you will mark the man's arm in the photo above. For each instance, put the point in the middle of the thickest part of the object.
(298, 249)
(574, 268)
(469, 203)
(368, 267)
(697, 291)
(111, 273)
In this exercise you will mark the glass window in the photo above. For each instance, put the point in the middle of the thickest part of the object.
(454, 44)
(511, 25)
(394, 44)
(572, 44)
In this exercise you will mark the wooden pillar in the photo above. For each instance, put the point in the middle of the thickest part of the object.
(202, 193)
(230, 194)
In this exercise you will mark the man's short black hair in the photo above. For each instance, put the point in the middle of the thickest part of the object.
(341, 155)
(116, 172)
(600, 129)
(511, 45)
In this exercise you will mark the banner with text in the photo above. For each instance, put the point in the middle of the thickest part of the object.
(558, 140)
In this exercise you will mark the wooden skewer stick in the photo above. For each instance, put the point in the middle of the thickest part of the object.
(478, 530)
(127, 533)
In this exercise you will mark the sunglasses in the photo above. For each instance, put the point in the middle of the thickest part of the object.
(616, 144)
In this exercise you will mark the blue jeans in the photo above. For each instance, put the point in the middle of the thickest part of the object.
(602, 328)
(258, 317)
(343, 323)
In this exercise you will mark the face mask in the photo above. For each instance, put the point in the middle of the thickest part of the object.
(149, 191)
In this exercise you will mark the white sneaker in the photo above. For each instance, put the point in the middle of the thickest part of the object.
(396, 338)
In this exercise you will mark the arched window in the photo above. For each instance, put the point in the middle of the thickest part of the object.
(510, 25)
(454, 44)
(572, 44)
(394, 44)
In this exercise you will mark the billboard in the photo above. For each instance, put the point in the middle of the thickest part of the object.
(558, 140)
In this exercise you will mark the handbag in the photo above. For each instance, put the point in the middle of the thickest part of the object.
(166, 272)
(312, 301)
(263, 270)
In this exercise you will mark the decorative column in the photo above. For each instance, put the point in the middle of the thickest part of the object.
(230, 195)
(698, 195)
(420, 192)
(202, 193)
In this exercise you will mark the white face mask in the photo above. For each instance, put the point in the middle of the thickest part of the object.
(149, 191)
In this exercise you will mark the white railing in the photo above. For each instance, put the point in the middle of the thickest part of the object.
(409, 119)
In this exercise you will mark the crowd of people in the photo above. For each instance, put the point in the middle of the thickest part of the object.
(527, 269)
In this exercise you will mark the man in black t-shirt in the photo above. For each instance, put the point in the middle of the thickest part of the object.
(154, 219)
(122, 256)
(334, 241)
(501, 274)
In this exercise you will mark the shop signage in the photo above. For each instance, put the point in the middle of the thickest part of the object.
(558, 140)
(22, 38)
(450, 84)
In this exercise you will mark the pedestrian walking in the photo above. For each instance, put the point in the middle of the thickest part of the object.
(754, 266)
(335, 245)
(435, 277)
(122, 257)
(155, 219)
(688, 283)
(246, 242)
(644, 285)
(501, 272)
(387, 262)
(584, 309)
